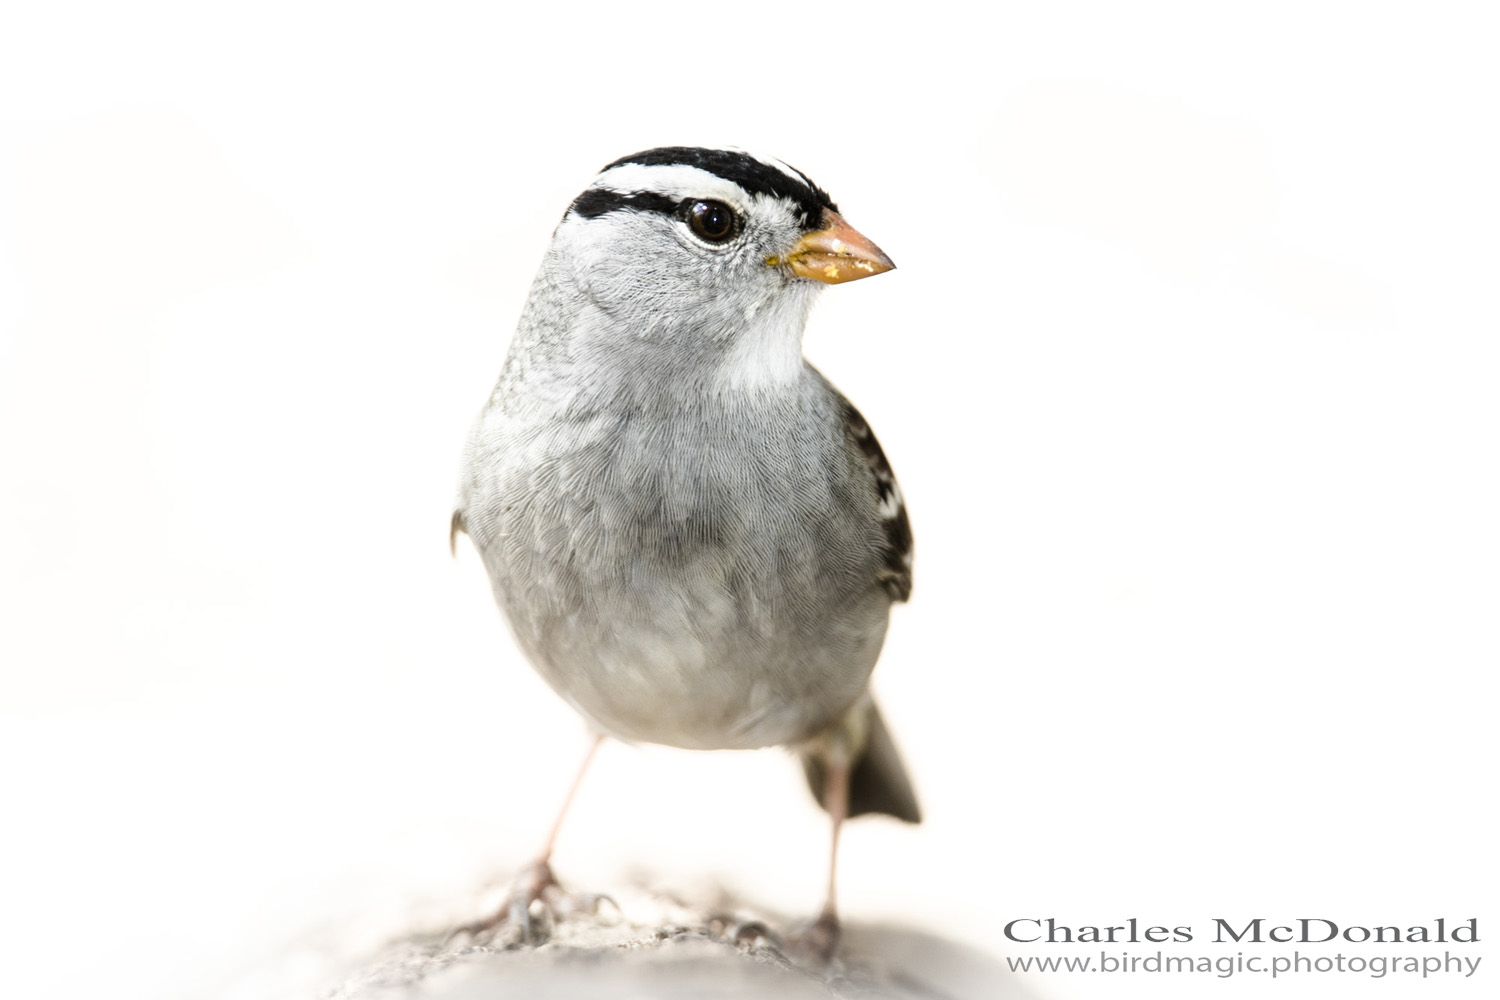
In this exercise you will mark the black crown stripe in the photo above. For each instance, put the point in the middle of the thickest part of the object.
(746, 171)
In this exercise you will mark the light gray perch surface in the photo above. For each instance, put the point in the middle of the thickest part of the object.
(665, 949)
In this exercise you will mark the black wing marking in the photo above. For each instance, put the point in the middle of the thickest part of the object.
(454, 527)
(895, 574)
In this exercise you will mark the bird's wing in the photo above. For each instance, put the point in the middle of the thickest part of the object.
(895, 574)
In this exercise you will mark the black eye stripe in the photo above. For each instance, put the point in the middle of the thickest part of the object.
(600, 201)
(713, 221)
(597, 201)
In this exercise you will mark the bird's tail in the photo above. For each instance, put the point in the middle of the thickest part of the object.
(878, 782)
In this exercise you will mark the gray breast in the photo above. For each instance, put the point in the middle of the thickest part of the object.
(703, 578)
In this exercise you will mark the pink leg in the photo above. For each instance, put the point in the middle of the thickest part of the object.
(536, 883)
(588, 758)
(823, 937)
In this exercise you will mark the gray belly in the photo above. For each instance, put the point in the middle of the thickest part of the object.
(704, 599)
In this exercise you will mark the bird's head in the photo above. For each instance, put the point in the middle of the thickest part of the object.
(707, 249)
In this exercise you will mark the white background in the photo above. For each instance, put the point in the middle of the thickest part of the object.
(1189, 372)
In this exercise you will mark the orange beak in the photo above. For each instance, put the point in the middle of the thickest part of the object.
(836, 253)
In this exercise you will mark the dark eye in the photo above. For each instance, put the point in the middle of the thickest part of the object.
(713, 221)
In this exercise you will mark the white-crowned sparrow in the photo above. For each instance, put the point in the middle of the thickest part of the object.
(695, 537)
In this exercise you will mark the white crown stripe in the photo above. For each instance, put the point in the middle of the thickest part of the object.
(673, 181)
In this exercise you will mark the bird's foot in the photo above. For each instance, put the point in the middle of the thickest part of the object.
(536, 903)
(818, 942)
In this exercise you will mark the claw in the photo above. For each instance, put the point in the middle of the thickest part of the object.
(535, 903)
(565, 905)
(753, 934)
(748, 935)
(534, 887)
